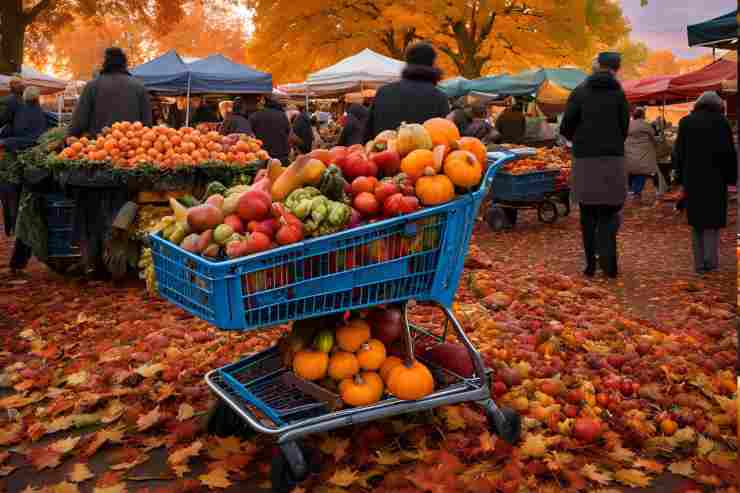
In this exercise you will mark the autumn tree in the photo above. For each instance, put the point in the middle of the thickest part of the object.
(475, 37)
(662, 62)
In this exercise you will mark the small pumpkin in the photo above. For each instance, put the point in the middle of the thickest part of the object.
(442, 131)
(311, 364)
(417, 163)
(324, 341)
(371, 355)
(412, 136)
(361, 390)
(353, 335)
(463, 169)
(343, 365)
(434, 189)
(410, 381)
(471, 144)
(390, 363)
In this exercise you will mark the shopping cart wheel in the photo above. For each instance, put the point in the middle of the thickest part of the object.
(224, 422)
(496, 218)
(506, 423)
(547, 212)
(291, 464)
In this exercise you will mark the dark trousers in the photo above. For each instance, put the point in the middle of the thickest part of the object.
(22, 253)
(599, 226)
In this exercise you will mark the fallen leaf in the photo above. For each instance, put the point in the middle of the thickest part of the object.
(180, 458)
(148, 420)
(683, 468)
(596, 474)
(386, 458)
(649, 465)
(116, 488)
(149, 371)
(17, 401)
(114, 435)
(632, 477)
(7, 470)
(63, 487)
(112, 412)
(453, 418)
(78, 378)
(185, 411)
(79, 473)
(217, 478)
(11, 434)
(344, 477)
(533, 446)
(705, 446)
(65, 445)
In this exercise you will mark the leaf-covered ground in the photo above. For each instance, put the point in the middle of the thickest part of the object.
(103, 387)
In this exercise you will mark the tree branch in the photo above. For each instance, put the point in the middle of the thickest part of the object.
(30, 15)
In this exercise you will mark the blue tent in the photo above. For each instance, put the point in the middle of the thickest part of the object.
(212, 75)
(720, 32)
(455, 87)
(526, 83)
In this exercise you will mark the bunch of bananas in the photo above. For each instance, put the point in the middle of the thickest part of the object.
(147, 218)
(146, 266)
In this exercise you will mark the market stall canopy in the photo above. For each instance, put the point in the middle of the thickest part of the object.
(46, 83)
(649, 88)
(455, 87)
(215, 74)
(720, 32)
(365, 70)
(528, 82)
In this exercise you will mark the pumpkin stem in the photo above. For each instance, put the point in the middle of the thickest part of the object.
(409, 360)
(358, 379)
(429, 171)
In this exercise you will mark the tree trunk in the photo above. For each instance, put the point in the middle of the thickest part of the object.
(12, 33)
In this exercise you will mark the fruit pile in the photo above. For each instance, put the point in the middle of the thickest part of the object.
(545, 159)
(351, 357)
(327, 191)
(130, 145)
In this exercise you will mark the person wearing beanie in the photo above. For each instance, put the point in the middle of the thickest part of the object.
(596, 121)
(413, 99)
(113, 96)
(705, 160)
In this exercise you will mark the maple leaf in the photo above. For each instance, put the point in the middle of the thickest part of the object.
(116, 488)
(344, 477)
(65, 445)
(180, 457)
(114, 435)
(217, 478)
(112, 412)
(78, 378)
(649, 465)
(127, 458)
(386, 458)
(534, 446)
(453, 418)
(80, 472)
(596, 475)
(149, 371)
(44, 457)
(185, 411)
(336, 447)
(225, 447)
(684, 468)
(63, 487)
(148, 420)
(11, 434)
(632, 477)
(705, 446)
(621, 454)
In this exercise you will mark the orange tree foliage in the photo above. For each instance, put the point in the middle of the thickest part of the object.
(475, 37)
(662, 62)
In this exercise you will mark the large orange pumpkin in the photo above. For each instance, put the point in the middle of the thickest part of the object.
(434, 189)
(417, 163)
(463, 169)
(475, 146)
(442, 131)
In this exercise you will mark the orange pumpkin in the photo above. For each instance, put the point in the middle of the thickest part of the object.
(371, 355)
(463, 169)
(417, 163)
(410, 381)
(352, 336)
(475, 146)
(362, 390)
(343, 365)
(411, 137)
(390, 363)
(310, 364)
(442, 131)
(434, 189)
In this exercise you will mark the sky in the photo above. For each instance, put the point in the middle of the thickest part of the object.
(662, 23)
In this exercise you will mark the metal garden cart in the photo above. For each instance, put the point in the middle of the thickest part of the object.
(418, 257)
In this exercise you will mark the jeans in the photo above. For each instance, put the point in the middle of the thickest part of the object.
(637, 183)
(706, 249)
(599, 226)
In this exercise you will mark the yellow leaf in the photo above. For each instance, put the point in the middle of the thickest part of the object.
(185, 412)
(148, 420)
(116, 488)
(114, 435)
(80, 472)
(183, 455)
(683, 468)
(77, 378)
(487, 442)
(65, 445)
(453, 418)
(63, 487)
(217, 478)
(534, 446)
(632, 477)
(684, 435)
(386, 458)
(112, 412)
(705, 446)
(649, 465)
(596, 475)
(621, 454)
(148, 371)
(344, 477)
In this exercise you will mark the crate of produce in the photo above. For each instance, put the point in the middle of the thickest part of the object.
(524, 187)
(416, 256)
(59, 216)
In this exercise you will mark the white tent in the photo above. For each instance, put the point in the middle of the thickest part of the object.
(365, 70)
(46, 83)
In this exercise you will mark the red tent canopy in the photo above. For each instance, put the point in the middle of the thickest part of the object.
(650, 88)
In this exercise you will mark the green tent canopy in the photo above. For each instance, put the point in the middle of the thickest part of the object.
(454, 88)
(720, 32)
(526, 83)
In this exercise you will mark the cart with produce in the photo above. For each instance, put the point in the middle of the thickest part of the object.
(351, 355)
(539, 181)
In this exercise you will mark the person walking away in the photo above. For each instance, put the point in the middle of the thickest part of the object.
(236, 121)
(271, 126)
(114, 96)
(512, 124)
(596, 121)
(413, 99)
(354, 127)
(302, 130)
(480, 128)
(640, 153)
(706, 164)
(9, 105)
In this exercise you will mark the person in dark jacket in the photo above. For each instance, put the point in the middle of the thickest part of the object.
(114, 96)
(705, 160)
(511, 124)
(302, 130)
(354, 129)
(9, 105)
(596, 121)
(413, 99)
(461, 115)
(480, 128)
(236, 122)
(272, 127)
(202, 112)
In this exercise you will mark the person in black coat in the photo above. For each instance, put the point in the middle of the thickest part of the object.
(271, 126)
(354, 130)
(302, 130)
(9, 105)
(705, 160)
(413, 99)
(236, 121)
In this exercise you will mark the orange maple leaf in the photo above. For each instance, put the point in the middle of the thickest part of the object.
(217, 478)
(44, 457)
(80, 472)
(148, 420)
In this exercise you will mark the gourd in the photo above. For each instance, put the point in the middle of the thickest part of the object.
(324, 341)
(343, 365)
(371, 355)
(410, 381)
(352, 336)
(442, 131)
(275, 169)
(471, 144)
(412, 136)
(303, 171)
(417, 163)
(311, 364)
(463, 169)
(332, 183)
(361, 390)
(434, 189)
(390, 363)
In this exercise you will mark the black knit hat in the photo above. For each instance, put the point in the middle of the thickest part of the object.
(114, 59)
(610, 59)
(421, 54)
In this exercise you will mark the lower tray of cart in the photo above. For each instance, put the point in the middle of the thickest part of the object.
(261, 386)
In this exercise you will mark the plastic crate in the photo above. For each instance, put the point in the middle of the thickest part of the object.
(416, 256)
(525, 187)
(59, 216)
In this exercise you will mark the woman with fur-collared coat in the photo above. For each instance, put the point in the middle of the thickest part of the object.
(413, 99)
